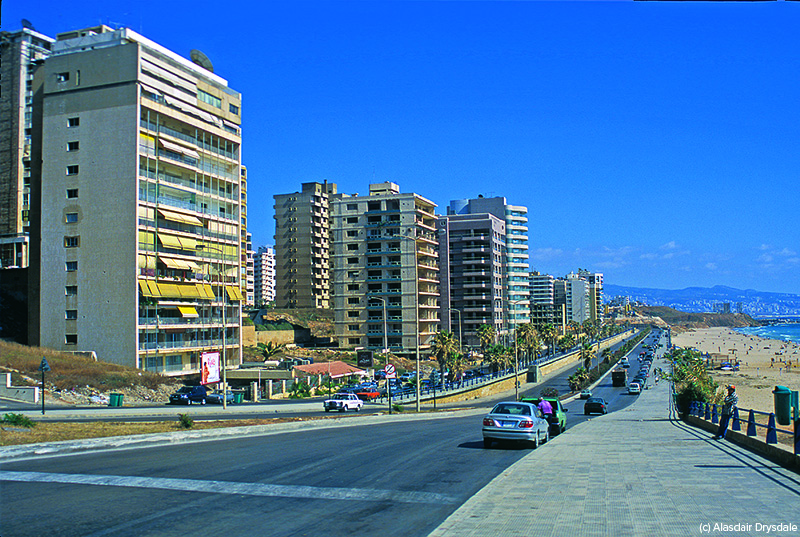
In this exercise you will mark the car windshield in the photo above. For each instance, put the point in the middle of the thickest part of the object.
(519, 410)
(185, 389)
(595, 400)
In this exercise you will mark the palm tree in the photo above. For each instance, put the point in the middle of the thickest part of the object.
(443, 346)
(587, 353)
(566, 342)
(549, 334)
(498, 357)
(527, 339)
(486, 336)
(574, 327)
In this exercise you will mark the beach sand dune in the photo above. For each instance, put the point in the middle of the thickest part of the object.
(764, 363)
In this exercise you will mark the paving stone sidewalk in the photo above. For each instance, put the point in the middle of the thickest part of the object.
(634, 472)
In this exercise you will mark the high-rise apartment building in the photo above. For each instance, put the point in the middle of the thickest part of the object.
(141, 203)
(264, 262)
(578, 299)
(472, 272)
(517, 291)
(302, 253)
(20, 53)
(385, 259)
(247, 278)
(543, 309)
(595, 281)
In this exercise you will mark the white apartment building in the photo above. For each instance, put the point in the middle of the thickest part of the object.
(264, 264)
(142, 203)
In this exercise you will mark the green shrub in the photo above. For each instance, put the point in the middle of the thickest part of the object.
(19, 420)
(185, 421)
(397, 408)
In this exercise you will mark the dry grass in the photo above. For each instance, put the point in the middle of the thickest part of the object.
(55, 432)
(69, 371)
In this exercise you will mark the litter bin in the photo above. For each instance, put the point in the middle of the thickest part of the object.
(238, 397)
(115, 399)
(783, 404)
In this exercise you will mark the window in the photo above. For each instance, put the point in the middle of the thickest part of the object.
(353, 300)
(72, 193)
(352, 247)
(73, 122)
(71, 339)
(353, 327)
(352, 274)
(72, 218)
(352, 287)
(71, 315)
(233, 109)
(73, 146)
(71, 290)
(353, 314)
(209, 99)
(354, 341)
(62, 77)
(352, 206)
(72, 170)
(352, 233)
(72, 266)
(72, 242)
(352, 220)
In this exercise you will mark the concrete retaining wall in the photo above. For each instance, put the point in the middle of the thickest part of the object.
(28, 394)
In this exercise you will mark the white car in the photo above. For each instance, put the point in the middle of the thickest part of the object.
(343, 402)
(634, 387)
(515, 421)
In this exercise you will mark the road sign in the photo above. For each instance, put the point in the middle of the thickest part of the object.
(364, 358)
(44, 366)
(391, 372)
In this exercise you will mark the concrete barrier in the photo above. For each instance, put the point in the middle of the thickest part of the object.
(27, 394)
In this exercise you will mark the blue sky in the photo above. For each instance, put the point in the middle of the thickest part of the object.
(654, 142)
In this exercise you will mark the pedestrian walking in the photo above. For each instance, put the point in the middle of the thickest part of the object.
(728, 404)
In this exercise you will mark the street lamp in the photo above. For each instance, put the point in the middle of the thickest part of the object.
(453, 310)
(224, 323)
(385, 351)
(516, 355)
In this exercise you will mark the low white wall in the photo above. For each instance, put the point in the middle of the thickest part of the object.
(28, 394)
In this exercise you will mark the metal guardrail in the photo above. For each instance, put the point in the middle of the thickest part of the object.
(710, 412)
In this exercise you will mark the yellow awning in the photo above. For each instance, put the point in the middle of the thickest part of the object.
(169, 290)
(147, 261)
(209, 291)
(187, 243)
(154, 290)
(145, 288)
(234, 293)
(188, 311)
(188, 291)
(173, 263)
(183, 218)
(179, 149)
(170, 241)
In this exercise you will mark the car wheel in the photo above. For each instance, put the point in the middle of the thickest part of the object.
(546, 436)
(358, 408)
(487, 443)
(535, 441)
(562, 428)
(586, 412)
(327, 410)
(344, 408)
(188, 401)
(202, 401)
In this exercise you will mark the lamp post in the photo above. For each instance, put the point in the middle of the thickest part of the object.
(416, 309)
(385, 351)
(516, 356)
(224, 323)
(453, 310)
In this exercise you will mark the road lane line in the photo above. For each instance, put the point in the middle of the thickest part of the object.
(231, 487)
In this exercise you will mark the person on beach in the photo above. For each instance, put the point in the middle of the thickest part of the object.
(730, 402)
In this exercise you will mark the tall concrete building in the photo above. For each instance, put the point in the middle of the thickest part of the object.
(141, 203)
(249, 273)
(471, 253)
(385, 258)
(516, 280)
(578, 299)
(20, 53)
(543, 308)
(264, 265)
(302, 227)
(595, 281)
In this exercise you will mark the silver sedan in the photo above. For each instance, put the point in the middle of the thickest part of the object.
(515, 421)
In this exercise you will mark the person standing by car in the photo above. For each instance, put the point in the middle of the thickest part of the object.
(545, 406)
(728, 404)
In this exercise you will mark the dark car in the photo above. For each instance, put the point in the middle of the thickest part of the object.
(215, 397)
(188, 395)
(595, 405)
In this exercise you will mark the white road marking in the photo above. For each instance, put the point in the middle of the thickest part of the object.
(231, 487)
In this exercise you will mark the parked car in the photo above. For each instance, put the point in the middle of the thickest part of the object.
(634, 388)
(367, 392)
(585, 394)
(558, 419)
(188, 395)
(595, 404)
(515, 421)
(215, 397)
(343, 402)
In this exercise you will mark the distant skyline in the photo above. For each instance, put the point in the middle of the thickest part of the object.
(654, 142)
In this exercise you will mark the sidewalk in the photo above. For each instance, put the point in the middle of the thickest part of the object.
(634, 472)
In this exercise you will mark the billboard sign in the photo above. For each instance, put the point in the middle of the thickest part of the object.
(364, 358)
(209, 368)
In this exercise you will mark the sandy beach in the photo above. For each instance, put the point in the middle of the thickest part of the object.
(764, 363)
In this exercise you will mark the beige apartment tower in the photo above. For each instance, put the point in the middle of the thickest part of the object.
(141, 203)
(385, 259)
(302, 228)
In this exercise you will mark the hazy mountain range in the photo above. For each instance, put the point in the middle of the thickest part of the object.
(709, 299)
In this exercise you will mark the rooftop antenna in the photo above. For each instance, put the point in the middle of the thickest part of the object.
(27, 24)
(201, 59)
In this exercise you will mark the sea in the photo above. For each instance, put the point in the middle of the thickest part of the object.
(783, 332)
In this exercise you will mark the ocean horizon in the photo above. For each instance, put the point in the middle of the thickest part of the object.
(782, 332)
